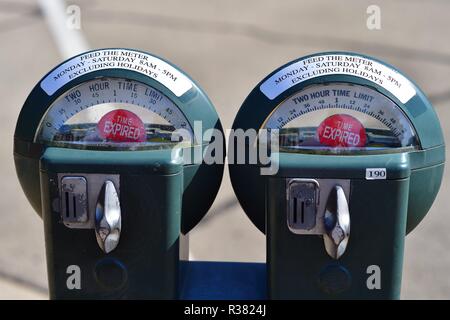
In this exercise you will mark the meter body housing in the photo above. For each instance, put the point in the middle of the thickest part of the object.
(144, 264)
(100, 152)
(359, 164)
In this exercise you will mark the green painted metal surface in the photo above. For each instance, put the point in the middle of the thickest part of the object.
(382, 212)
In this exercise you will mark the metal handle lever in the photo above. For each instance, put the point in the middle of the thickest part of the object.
(108, 220)
(337, 223)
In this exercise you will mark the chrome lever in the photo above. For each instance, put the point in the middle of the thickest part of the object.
(108, 220)
(337, 223)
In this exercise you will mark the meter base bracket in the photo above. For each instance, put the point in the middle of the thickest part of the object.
(208, 280)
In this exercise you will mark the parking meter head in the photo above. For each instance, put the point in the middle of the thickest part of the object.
(120, 100)
(342, 104)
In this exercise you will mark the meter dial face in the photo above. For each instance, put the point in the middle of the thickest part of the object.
(339, 118)
(114, 113)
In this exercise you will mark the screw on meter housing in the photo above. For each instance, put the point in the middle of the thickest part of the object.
(360, 162)
(99, 150)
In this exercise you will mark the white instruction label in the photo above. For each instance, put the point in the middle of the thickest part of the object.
(126, 59)
(376, 174)
(329, 64)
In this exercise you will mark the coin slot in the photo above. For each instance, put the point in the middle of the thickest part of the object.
(67, 204)
(74, 200)
(295, 211)
(302, 204)
(302, 221)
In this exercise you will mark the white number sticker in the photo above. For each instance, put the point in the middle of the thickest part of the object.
(375, 173)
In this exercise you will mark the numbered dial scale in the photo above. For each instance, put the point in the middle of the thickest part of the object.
(340, 117)
(114, 113)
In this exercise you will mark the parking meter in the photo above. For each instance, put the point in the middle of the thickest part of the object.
(357, 163)
(103, 150)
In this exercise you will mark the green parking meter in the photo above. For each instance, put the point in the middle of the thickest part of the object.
(356, 163)
(109, 151)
